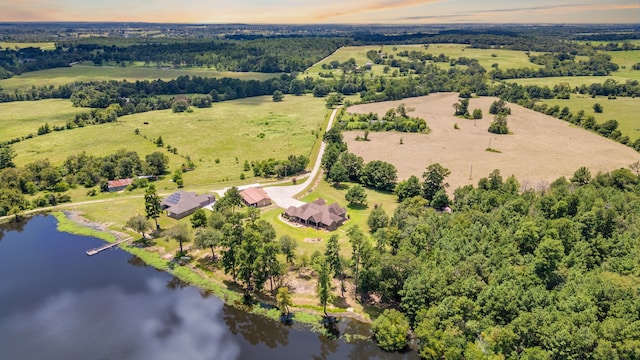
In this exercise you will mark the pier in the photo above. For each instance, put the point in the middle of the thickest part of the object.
(107, 246)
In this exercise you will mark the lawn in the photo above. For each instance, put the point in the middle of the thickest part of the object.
(573, 81)
(85, 72)
(623, 109)
(218, 139)
(22, 45)
(487, 57)
(22, 118)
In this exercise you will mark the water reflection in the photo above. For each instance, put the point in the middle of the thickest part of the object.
(256, 330)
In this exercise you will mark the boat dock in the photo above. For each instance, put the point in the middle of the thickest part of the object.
(107, 246)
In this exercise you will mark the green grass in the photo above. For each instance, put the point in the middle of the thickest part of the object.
(227, 131)
(573, 81)
(22, 45)
(622, 109)
(626, 59)
(83, 72)
(504, 58)
(22, 118)
(69, 226)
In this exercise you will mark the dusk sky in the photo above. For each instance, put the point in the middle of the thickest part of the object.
(326, 11)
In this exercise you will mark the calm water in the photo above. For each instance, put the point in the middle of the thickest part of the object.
(58, 303)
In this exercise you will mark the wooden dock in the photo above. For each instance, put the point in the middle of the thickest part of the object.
(107, 246)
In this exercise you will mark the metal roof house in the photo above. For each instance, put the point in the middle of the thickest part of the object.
(255, 197)
(184, 203)
(118, 185)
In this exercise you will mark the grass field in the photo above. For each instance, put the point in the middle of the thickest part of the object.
(22, 45)
(626, 59)
(228, 131)
(623, 109)
(82, 72)
(22, 118)
(573, 81)
(504, 58)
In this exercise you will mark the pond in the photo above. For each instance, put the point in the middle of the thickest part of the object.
(58, 303)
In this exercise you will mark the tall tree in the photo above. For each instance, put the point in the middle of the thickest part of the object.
(356, 196)
(378, 219)
(332, 256)
(139, 224)
(7, 154)
(356, 238)
(408, 188)
(324, 284)
(337, 174)
(152, 205)
(434, 180)
(288, 247)
(208, 238)
(180, 233)
(233, 233)
(283, 299)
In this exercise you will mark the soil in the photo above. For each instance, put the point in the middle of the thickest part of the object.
(538, 150)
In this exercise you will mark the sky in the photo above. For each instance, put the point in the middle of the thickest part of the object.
(324, 11)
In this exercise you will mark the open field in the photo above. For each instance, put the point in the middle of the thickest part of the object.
(228, 131)
(81, 72)
(573, 81)
(539, 150)
(22, 118)
(626, 59)
(504, 58)
(623, 109)
(22, 45)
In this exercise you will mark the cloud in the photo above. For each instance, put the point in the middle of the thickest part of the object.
(109, 323)
(466, 15)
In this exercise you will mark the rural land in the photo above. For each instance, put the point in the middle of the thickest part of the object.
(472, 192)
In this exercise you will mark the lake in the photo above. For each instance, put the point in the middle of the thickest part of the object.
(58, 303)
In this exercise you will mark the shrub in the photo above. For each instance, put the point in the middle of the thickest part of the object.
(391, 330)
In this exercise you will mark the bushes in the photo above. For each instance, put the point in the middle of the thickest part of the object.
(391, 330)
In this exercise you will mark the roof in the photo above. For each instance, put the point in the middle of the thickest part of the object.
(119, 183)
(254, 195)
(318, 212)
(183, 201)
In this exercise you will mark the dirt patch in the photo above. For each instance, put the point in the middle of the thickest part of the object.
(312, 240)
(539, 150)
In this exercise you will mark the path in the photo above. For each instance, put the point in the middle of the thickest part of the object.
(283, 196)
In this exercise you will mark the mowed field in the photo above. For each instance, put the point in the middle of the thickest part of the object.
(539, 150)
(228, 131)
(21, 118)
(22, 45)
(487, 57)
(623, 109)
(82, 72)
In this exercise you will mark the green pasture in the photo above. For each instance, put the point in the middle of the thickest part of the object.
(21, 118)
(598, 42)
(84, 72)
(573, 81)
(623, 109)
(487, 57)
(626, 59)
(22, 45)
(218, 139)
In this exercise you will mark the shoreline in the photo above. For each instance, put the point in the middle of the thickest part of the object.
(74, 223)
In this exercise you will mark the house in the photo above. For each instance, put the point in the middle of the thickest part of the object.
(184, 203)
(118, 185)
(255, 197)
(318, 214)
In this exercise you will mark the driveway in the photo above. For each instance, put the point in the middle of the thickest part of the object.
(283, 196)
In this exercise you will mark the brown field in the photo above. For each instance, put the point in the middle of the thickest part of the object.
(538, 150)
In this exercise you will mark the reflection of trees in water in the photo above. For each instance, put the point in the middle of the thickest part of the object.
(327, 347)
(256, 329)
(176, 283)
(17, 226)
(137, 262)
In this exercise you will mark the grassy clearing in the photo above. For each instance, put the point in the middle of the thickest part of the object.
(83, 72)
(504, 58)
(226, 132)
(22, 45)
(573, 81)
(623, 109)
(235, 131)
(626, 59)
(22, 118)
